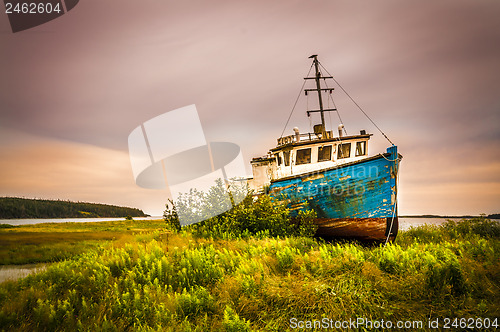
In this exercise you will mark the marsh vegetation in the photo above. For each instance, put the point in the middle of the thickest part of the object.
(143, 275)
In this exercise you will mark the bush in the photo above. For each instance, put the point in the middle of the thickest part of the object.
(445, 277)
(194, 303)
(253, 216)
(305, 225)
(422, 234)
(477, 226)
(285, 258)
(233, 323)
(171, 217)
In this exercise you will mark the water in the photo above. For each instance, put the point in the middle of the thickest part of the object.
(14, 272)
(407, 223)
(61, 220)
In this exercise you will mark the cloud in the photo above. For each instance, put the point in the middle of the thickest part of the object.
(38, 167)
(425, 72)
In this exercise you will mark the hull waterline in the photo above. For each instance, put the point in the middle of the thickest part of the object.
(362, 229)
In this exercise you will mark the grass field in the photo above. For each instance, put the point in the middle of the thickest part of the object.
(136, 275)
(52, 242)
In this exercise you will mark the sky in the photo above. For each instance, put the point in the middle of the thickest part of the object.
(426, 72)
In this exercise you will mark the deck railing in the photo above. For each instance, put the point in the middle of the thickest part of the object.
(302, 138)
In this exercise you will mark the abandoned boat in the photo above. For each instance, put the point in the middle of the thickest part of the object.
(354, 194)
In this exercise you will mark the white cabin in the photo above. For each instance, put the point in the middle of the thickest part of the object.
(304, 153)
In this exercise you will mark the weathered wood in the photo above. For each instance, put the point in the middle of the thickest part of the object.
(354, 200)
(362, 229)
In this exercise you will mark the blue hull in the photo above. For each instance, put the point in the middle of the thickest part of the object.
(355, 200)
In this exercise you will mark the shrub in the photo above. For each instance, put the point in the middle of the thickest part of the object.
(171, 217)
(196, 302)
(285, 258)
(233, 323)
(422, 234)
(304, 224)
(446, 277)
(476, 226)
(262, 216)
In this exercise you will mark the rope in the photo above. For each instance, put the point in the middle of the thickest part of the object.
(397, 159)
(395, 203)
(387, 138)
(392, 222)
(296, 100)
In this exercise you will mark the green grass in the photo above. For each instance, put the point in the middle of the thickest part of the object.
(146, 280)
(53, 242)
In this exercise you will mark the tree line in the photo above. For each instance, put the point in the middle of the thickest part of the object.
(15, 207)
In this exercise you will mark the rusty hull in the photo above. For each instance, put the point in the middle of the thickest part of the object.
(361, 229)
(356, 200)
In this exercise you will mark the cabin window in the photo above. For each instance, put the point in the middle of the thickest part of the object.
(360, 148)
(278, 159)
(344, 151)
(303, 156)
(286, 157)
(325, 153)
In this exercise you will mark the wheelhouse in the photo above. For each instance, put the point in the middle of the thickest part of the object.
(304, 153)
(309, 152)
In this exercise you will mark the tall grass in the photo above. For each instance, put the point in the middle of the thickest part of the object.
(259, 283)
(54, 242)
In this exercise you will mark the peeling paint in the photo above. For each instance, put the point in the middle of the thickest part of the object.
(313, 177)
(353, 200)
(365, 229)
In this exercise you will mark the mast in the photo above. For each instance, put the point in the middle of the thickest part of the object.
(317, 78)
(318, 86)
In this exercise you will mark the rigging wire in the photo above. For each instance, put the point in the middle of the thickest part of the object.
(335, 106)
(300, 92)
(329, 113)
(387, 138)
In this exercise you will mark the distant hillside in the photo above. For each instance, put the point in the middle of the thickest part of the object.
(13, 207)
